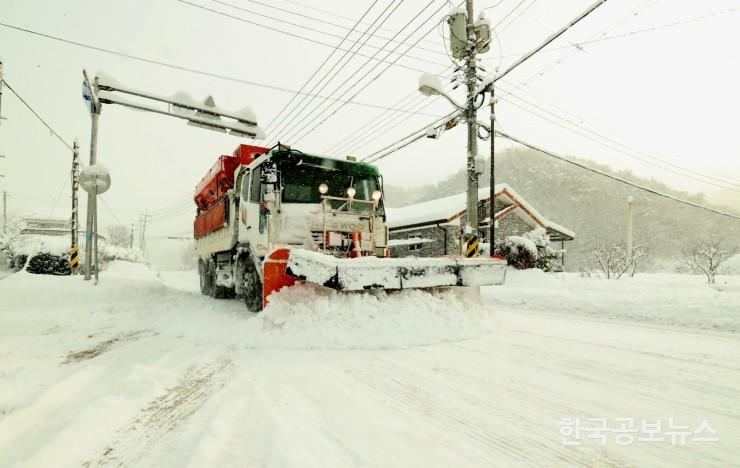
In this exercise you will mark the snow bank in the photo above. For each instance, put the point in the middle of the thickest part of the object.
(673, 300)
(31, 244)
(304, 317)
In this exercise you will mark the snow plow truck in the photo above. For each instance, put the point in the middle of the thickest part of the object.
(270, 218)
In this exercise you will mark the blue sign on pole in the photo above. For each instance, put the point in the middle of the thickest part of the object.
(87, 97)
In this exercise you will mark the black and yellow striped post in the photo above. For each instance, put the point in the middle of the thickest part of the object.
(74, 258)
(471, 247)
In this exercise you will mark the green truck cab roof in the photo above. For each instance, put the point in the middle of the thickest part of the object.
(292, 156)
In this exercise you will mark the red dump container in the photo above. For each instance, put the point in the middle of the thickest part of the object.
(220, 178)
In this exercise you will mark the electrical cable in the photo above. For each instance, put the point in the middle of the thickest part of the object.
(28, 106)
(613, 177)
(278, 30)
(180, 67)
(338, 66)
(373, 79)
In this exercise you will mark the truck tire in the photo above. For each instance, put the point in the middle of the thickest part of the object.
(252, 286)
(207, 277)
(222, 292)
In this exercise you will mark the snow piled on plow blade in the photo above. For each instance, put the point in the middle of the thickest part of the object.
(357, 274)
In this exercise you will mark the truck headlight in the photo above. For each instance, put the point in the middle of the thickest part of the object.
(376, 195)
(323, 188)
(351, 192)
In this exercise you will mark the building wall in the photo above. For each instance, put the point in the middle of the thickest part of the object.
(509, 225)
(435, 248)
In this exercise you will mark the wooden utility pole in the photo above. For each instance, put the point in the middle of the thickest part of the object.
(74, 258)
(471, 227)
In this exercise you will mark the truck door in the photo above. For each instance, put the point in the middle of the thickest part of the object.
(249, 216)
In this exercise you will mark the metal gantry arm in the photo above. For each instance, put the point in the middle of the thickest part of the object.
(105, 90)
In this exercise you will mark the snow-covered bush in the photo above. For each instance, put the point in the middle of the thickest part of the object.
(46, 263)
(108, 253)
(520, 252)
(531, 250)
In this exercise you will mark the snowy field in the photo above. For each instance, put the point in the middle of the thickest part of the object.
(144, 371)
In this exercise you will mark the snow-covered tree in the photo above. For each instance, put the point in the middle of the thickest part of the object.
(12, 231)
(614, 260)
(705, 257)
(119, 235)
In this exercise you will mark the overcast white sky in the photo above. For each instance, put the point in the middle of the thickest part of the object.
(670, 94)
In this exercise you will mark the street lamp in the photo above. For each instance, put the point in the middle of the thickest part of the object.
(429, 85)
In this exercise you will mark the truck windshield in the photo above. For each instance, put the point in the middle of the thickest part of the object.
(301, 185)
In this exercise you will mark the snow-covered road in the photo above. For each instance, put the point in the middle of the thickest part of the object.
(143, 371)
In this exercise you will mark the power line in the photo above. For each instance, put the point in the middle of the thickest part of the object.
(107, 208)
(336, 64)
(668, 166)
(378, 128)
(278, 30)
(184, 68)
(408, 139)
(614, 177)
(28, 106)
(287, 128)
(332, 13)
(313, 18)
(373, 79)
(577, 44)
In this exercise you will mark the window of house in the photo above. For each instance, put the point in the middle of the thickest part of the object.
(415, 247)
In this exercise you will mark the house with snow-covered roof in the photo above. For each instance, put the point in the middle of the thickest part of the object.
(432, 228)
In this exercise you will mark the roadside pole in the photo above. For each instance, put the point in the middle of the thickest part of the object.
(131, 243)
(630, 202)
(90, 96)
(75, 248)
(95, 224)
(5, 211)
(492, 206)
(95, 180)
(471, 227)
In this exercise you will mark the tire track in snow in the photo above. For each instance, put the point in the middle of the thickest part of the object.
(164, 414)
(495, 439)
(105, 346)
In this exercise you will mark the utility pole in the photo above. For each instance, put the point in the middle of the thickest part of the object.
(1, 91)
(471, 227)
(492, 205)
(144, 218)
(630, 202)
(75, 248)
(94, 107)
(131, 243)
(5, 211)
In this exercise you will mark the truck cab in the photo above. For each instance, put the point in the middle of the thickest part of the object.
(260, 199)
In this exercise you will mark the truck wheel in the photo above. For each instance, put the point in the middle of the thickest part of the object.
(222, 292)
(207, 278)
(252, 287)
(206, 285)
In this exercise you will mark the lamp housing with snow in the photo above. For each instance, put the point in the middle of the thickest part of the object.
(429, 85)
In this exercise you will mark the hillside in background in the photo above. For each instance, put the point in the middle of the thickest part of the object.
(726, 197)
(592, 205)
